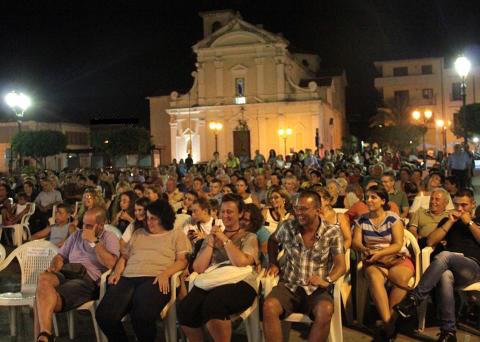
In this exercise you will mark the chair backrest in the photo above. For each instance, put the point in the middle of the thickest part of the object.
(340, 210)
(3, 253)
(77, 208)
(412, 245)
(26, 217)
(114, 230)
(180, 220)
(34, 257)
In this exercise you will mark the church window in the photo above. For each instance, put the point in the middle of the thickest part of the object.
(239, 87)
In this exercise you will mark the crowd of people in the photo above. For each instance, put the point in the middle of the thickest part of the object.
(194, 217)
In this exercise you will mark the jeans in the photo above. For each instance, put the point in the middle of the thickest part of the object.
(137, 296)
(448, 270)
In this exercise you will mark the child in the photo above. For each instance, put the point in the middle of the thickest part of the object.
(59, 232)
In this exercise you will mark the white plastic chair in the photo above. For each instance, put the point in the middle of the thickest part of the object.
(169, 312)
(34, 258)
(422, 309)
(180, 220)
(51, 220)
(250, 316)
(90, 306)
(362, 285)
(340, 210)
(114, 230)
(20, 228)
(336, 333)
(3, 253)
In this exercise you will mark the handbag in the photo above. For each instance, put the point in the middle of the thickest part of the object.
(221, 274)
(73, 271)
(391, 260)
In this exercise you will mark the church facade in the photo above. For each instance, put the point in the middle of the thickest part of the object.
(259, 94)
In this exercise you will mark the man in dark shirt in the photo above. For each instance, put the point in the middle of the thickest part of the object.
(457, 266)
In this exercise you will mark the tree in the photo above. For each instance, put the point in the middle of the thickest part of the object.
(121, 141)
(470, 114)
(392, 113)
(399, 137)
(39, 144)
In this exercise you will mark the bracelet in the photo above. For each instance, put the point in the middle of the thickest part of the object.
(226, 242)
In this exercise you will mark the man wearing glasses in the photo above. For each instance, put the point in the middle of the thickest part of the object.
(73, 276)
(306, 282)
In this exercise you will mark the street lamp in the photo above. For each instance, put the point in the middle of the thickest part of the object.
(284, 133)
(444, 125)
(462, 66)
(216, 127)
(19, 103)
(426, 115)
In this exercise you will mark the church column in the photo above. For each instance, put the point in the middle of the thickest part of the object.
(173, 138)
(203, 140)
(280, 70)
(219, 78)
(260, 76)
(201, 84)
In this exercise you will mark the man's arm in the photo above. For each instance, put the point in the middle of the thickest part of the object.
(56, 264)
(339, 267)
(439, 234)
(41, 234)
(106, 258)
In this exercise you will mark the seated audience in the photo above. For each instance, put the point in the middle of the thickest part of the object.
(457, 266)
(252, 221)
(126, 211)
(395, 195)
(278, 207)
(314, 260)
(188, 199)
(140, 282)
(61, 230)
(215, 307)
(425, 221)
(140, 221)
(334, 190)
(378, 236)
(75, 271)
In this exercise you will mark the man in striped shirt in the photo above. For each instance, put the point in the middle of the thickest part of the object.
(314, 260)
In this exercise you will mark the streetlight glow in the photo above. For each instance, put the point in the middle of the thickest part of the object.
(416, 114)
(440, 123)
(475, 140)
(289, 131)
(428, 114)
(462, 66)
(21, 101)
(281, 132)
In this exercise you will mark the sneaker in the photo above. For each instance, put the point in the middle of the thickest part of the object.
(447, 336)
(407, 306)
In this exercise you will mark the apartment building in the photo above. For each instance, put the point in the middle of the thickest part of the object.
(427, 84)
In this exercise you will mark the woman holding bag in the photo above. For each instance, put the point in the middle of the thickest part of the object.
(214, 307)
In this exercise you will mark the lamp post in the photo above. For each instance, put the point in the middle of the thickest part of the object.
(444, 125)
(19, 103)
(284, 133)
(216, 127)
(462, 66)
(425, 116)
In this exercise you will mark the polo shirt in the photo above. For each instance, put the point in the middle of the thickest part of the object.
(426, 222)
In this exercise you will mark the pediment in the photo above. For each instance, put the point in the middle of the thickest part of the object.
(239, 32)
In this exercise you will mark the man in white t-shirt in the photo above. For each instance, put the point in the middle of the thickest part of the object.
(201, 223)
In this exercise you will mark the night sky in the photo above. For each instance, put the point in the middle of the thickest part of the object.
(80, 61)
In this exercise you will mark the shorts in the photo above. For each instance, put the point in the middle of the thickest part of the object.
(408, 263)
(75, 292)
(299, 301)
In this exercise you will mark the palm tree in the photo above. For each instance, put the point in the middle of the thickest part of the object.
(394, 112)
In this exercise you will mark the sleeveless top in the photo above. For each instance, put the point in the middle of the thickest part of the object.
(379, 236)
(270, 222)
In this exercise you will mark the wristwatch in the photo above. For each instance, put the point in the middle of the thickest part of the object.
(471, 223)
(226, 242)
(329, 280)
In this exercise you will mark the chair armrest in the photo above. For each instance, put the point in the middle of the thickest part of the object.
(426, 253)
(270, 282)
(191, 280)
(103, 283)
(174, 283)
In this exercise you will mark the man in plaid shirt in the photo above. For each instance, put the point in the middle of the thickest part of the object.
(314, 260)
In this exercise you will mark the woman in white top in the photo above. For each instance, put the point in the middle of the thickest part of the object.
(279, 208)
(244, 192)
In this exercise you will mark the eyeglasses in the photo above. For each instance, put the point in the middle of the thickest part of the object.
(88, 226)
(301, 209)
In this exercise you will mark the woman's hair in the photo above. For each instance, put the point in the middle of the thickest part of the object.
(256, 217)
(231, 187)
(235, 198)
(282, 192)
(138, 186)
(98, 201)
(131, 206)
(141, 202)
(164, 212)
(155, 188)
(325, 194)
(382, 193)
(123, 184)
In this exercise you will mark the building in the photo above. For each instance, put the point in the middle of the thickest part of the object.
(251, 82)
(427, 84)
(78, 152)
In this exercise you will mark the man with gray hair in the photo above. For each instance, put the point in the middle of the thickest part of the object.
(425, 221)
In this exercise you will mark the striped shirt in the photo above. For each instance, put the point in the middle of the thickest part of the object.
(302, 262)
(379, 236)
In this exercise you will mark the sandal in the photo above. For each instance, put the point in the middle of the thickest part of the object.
(50, 337)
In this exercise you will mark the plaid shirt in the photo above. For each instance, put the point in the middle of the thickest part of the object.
(303, 262)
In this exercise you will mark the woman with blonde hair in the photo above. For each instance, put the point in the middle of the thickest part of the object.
(91, 198)
(330, 216)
